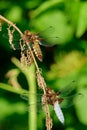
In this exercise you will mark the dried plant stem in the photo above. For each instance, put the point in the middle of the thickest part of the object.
(48, 118)
(10, 23)
(40, 79)
(42, 85)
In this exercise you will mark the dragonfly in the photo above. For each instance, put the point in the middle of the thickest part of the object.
(33, 41)
(62, 99)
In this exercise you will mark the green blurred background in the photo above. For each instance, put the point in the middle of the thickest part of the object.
(62, 63)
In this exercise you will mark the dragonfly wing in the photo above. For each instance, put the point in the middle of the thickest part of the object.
(71, 100)
(67, 90)
(49, 41)
(48, 31)
(34, 101)
(48, 37)
(31, 97)
(58, 112)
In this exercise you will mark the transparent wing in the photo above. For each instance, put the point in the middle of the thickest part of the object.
(71, 100)
(46, 32)
(48, 37)
(31, 97)
(69, 94)
(68, 90)
(49, 41)
(34, 101)
(35, 106)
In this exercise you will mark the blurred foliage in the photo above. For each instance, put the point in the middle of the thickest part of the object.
(62, 63)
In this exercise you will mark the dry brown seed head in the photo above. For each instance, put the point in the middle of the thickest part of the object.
(10, 34)
(0, 25)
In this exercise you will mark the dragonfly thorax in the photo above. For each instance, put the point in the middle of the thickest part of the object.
(51, 96)
(29, 37)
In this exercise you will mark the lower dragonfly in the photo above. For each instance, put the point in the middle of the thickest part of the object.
(63, 98)
(53, 99)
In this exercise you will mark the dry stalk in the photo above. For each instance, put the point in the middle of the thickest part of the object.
(10, 34)
(42, 85)
(31, 57)
(26, 58)
(0, 25)
(10, 23)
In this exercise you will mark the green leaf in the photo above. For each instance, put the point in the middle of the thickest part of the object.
(72, 9)
(45, 6)
(81, 107)
(8, 108)
(14, 14)
(82, 20)
(58, 20)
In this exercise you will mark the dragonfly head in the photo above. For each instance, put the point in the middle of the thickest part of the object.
(27, 33)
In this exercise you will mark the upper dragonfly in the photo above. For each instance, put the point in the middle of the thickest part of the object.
(34, 40)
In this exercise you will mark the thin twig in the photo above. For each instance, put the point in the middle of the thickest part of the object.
(10, 23)
(42, 84)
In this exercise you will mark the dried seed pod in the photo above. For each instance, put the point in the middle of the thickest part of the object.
(26, 58)
(23, 59)
(40, 80)
(29, 58)
(0, 25)
(10, 34)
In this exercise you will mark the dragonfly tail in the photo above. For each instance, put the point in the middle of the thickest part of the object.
(58, 112)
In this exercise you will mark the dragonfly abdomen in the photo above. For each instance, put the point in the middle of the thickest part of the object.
(58, 112)
(37, 50)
